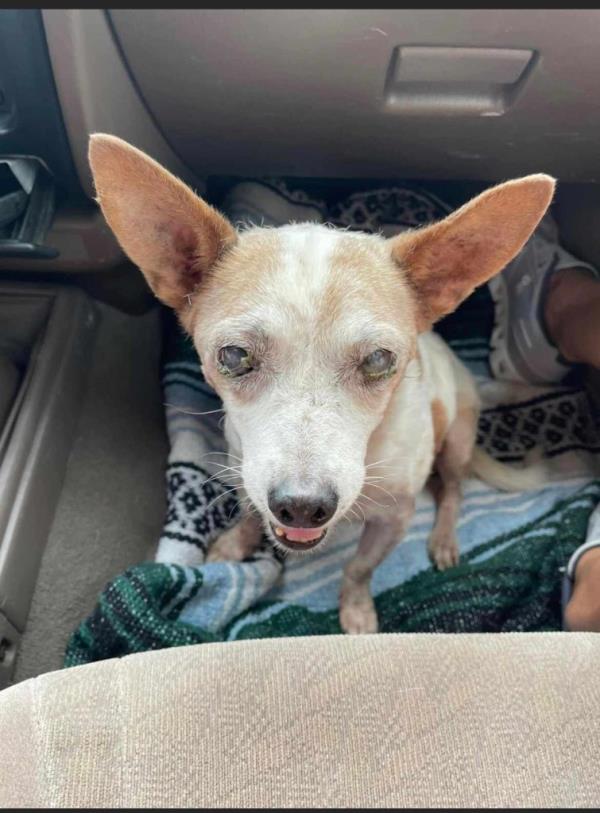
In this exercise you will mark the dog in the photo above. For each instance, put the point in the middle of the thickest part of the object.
(319, 343)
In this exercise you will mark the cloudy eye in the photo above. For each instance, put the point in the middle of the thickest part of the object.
(379, 364)
(234, 361)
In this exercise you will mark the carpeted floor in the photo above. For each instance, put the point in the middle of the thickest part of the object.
(111, 509)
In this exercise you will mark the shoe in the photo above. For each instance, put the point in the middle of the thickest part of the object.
(270, 203)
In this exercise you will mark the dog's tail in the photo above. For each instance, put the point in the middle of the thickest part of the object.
(509, 478)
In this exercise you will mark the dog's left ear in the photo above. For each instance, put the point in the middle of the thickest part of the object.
(446, 261)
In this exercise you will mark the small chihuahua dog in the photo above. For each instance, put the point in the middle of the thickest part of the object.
(318, 342)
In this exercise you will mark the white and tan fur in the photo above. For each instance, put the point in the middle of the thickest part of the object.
(309, 303)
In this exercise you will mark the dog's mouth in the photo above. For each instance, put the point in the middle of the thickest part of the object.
(298, 538)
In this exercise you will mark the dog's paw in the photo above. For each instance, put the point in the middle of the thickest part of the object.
(358, 617)
(229, 547)
(217, 554)
(443, 552)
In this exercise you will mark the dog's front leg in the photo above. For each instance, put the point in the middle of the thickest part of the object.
(238, 542)
(380, 535)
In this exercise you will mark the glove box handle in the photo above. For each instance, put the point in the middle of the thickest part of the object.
(449, 81)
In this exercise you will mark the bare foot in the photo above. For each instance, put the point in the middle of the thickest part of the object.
(582, 613)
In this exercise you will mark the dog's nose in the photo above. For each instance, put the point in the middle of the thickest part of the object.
(302, 510)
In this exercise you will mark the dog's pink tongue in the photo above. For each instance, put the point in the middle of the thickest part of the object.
(302, 534)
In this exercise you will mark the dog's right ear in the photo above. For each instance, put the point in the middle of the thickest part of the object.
(168, 231)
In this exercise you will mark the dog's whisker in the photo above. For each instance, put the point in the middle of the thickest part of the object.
(222, 454)
(374, 482)
(379, 463)
(354, 514)
(222, 473)
(220, 497)
(223, 466)
(218, 479)
(366, 496)
(385, 491)
(231, 513)
(358, 505)
(189, 412)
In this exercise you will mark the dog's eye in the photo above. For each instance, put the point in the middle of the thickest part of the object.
(379, 364)
(234, 361)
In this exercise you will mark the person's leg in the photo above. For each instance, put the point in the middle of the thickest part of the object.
(545, 301)
(547, 318)
(581, 599)
(572, 315)
(582, 613)
(572, 320)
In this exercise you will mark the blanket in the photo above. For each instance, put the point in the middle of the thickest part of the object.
(513, 546)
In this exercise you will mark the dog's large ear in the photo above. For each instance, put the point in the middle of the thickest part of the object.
(167, 230)
(446, 261)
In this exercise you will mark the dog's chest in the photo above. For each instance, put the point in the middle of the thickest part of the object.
(401, 451)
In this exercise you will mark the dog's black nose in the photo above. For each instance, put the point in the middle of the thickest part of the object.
(302, 510)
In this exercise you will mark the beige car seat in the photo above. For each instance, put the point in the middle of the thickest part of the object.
(423, 720)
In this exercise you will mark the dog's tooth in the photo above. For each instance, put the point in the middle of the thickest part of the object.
(279, 532)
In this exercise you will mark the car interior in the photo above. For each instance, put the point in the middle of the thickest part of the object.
(334, 101)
